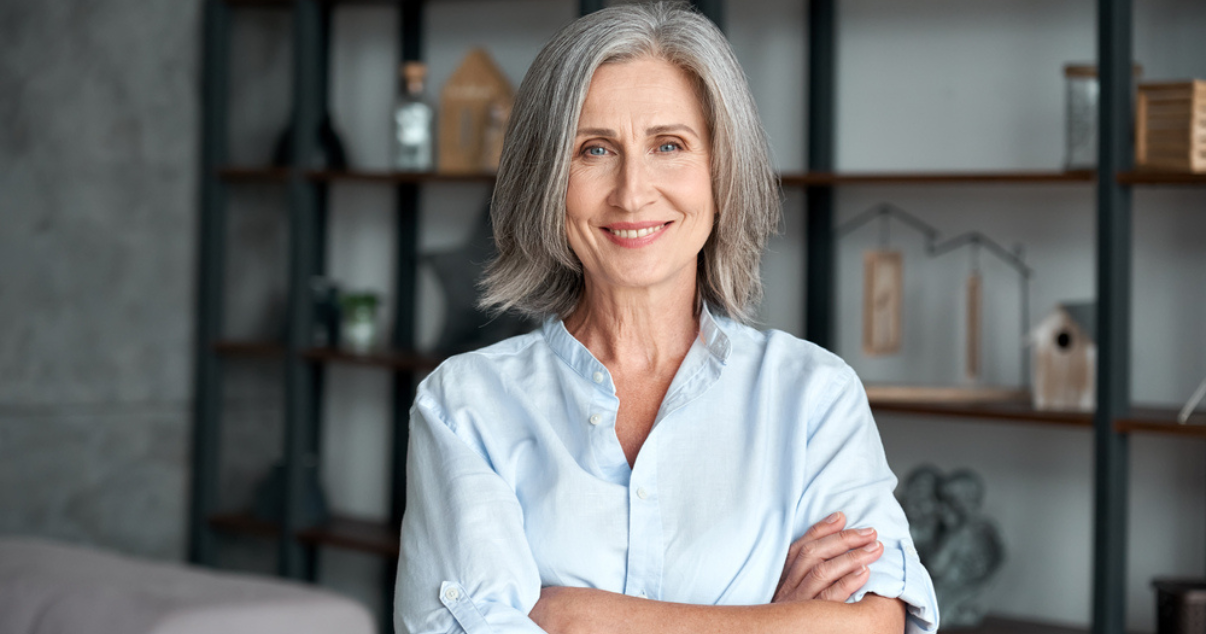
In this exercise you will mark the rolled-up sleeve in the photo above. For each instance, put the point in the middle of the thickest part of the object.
(847, 471)
(465, 563)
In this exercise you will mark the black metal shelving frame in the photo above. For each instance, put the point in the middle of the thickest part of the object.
(306, 192)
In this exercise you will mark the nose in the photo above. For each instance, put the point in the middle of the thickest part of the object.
(633, 189)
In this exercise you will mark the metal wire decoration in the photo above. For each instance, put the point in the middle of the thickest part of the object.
(935, 246)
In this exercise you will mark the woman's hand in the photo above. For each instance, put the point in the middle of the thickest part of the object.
(828, 563)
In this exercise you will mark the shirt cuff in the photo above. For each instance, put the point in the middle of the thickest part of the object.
(454, 597)
(912, 586)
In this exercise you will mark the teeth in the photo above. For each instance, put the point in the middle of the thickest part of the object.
(635, 233)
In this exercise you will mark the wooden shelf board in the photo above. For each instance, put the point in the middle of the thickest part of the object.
(245, 523)
(254, 174)
(252, 349)
(935, 178)
(1156, 420)
(340, 532)
(381, 176)
(1013, 411)
(1144, 177)
(379, 538)
(389, 359)
(1002, 625)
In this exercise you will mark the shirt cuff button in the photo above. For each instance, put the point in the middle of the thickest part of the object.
(452, 594)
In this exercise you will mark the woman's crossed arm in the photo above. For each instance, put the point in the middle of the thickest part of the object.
(823, 569)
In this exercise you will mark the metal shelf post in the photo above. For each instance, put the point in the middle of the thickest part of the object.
(296, 559)
(820, 298)
(215, 89)
(1114, 266)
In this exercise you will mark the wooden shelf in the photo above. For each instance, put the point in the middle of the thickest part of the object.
(397, 177)
(813, 179)
(244, 523)
(386, 358)
(1001, 625)
(254, 174)
(1152, 420)
(1141, 419)
(379, 538)
(1160, 178)
(250, 349)
(1012, 411)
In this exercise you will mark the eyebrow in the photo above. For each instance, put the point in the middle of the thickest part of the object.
(655, 130)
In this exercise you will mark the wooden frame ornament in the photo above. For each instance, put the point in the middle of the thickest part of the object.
(883, 302)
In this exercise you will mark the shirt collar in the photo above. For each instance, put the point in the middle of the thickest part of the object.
(566, 346)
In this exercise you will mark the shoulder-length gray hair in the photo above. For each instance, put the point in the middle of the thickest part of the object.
(535, 272)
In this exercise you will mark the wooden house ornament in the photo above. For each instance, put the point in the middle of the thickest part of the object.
(471, 104)
(883, 288)
(1064, 359)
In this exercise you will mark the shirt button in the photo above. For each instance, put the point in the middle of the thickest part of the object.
(642, 493)
(598, 377)
(452, 594)
(642, 595)
(596, 419)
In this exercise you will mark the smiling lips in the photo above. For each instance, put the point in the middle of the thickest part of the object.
(633, 234)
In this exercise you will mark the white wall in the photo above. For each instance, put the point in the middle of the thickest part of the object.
(931, 85)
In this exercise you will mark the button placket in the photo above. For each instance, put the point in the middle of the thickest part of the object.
(646, 545)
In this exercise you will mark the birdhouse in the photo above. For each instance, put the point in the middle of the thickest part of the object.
(474, 106)
(1064, 359)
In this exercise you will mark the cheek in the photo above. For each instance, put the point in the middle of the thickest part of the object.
(578, 197)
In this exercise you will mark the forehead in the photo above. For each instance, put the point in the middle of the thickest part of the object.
(644, 87)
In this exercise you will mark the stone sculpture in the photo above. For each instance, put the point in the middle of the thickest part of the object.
(960, 546)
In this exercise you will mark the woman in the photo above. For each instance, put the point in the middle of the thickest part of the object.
(644, 462)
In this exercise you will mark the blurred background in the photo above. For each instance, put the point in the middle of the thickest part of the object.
(100, 177)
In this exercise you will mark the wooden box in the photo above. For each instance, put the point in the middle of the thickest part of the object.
(1170, 126)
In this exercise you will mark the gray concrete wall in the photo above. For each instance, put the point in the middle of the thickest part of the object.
(98, 172)
(98, 218)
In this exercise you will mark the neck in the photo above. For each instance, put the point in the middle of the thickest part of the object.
(636, 329)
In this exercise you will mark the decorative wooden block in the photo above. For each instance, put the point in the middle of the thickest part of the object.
(477, 94)
(1170, 126)
(973, 327)
(882, 302)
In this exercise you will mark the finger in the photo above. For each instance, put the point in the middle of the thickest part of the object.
(833, 523)
(818, 553)
(845, 587)
(832, 572)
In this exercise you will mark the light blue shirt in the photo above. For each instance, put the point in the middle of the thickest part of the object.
(516, 480)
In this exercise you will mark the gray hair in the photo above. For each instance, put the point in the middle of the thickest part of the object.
(535, 272)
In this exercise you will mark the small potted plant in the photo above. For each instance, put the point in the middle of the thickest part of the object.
(359, 331)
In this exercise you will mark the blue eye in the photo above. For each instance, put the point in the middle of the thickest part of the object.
(668, 147)
(596, 151)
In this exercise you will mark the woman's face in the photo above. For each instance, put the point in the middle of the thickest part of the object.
(639, 206)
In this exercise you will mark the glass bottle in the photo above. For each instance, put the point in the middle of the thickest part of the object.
(413, 118)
